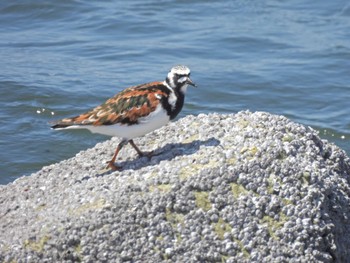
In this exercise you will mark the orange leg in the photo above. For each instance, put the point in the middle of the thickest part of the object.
(111, 162)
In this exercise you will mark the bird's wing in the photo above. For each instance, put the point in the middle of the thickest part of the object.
(124, 108)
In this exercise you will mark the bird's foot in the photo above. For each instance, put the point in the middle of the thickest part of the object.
(112, 166)
(146, 154)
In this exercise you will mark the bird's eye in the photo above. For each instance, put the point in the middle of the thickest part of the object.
(181, 75)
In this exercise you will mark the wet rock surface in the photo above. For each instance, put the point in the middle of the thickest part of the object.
(245, 187)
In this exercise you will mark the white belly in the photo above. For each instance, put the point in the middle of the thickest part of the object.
(154, 121)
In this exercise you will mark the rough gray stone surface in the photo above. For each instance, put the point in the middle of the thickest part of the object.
(249, 187)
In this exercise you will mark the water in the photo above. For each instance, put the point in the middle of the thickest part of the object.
(64, 57)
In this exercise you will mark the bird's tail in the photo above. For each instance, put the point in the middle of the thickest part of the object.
(65, 123)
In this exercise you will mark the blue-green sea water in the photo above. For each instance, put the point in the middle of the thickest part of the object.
(60, 58)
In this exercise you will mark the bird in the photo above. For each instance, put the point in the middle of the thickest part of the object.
(135, 111)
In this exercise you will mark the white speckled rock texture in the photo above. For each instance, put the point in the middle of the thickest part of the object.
(245, 187)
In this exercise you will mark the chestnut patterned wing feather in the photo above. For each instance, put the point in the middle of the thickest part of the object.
(124, 108)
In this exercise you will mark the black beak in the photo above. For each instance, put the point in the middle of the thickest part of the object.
(190, 82)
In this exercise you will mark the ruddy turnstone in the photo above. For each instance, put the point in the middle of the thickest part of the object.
(135, 111)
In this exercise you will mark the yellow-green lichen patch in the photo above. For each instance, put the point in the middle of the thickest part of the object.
(40, 207)
(191, 138)
(153, 174)
(224, 258)
(305, 178)
(178, 238)
(281, 155)
(98, 204)
(251, 152)
(202, 200)
(283, 218)
(37, 246)
(271, 182)
(238, 190)
(286, 201)
(221, 227)
(174, 218)
(242, 248)
(273, 224)
(165, 188)
(194, 168)
(77, 250)
(160, 238)
(231, 161)
(243, 150)
(287, 137)
(242, 123)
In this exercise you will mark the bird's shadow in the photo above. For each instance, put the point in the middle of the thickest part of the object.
(167, 152)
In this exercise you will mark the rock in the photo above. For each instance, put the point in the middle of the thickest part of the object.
(250, 187)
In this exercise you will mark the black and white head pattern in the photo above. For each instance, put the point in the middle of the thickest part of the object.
(179, 77)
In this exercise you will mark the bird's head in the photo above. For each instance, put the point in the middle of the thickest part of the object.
(179, 78)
